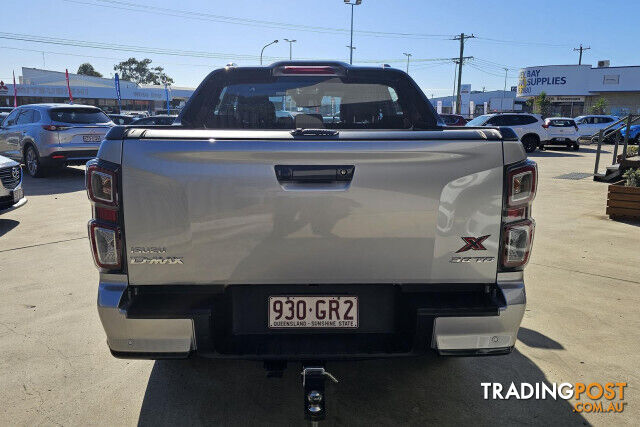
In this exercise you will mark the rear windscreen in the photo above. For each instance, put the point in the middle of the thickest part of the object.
(311, 102)
(562, 123)
(78, 115)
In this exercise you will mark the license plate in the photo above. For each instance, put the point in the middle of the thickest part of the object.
(17, 195)
(337, 312)
(91, 138)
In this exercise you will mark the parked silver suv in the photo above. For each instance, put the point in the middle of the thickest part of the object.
(46, 136)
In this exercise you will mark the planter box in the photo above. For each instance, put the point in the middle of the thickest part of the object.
(623, 201)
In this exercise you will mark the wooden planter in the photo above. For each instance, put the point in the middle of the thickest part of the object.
(623, 201)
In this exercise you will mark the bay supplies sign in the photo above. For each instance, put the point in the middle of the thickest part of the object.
(553, 80)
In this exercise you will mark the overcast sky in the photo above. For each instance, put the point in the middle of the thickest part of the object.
(206, 34)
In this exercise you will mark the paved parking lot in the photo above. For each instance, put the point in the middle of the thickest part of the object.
(582, 324)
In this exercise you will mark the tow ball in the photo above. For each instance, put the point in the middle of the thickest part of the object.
(313, 379)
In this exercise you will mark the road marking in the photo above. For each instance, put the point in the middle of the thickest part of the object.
(42, 244)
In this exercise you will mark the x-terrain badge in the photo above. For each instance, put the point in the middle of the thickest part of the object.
(473, 243)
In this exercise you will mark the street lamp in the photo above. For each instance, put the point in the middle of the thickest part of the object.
(350, 3)
(290, 43)
(408, 56)
(263, 48)
(351, 48)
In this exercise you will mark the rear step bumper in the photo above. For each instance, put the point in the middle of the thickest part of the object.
(149, 323)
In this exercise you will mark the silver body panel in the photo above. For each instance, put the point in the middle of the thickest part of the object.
(217, 204)
(212, 199)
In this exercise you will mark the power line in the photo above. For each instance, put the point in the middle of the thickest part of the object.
(169, 52)
(204, 16)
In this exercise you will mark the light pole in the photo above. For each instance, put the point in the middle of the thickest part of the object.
(265, 46)
(351, 48)
(408, 56)
(291, 42)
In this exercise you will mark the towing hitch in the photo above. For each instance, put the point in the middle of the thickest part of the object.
(313, 378)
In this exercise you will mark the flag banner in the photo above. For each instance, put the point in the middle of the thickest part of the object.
(15, 91)
(116, 80)
(68, 86)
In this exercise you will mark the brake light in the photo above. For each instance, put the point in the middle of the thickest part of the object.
(522, 183)
(54, 127)
(105, 245)
(516, 243)
(101, 185)
(545, 125)
(517, 225)
(105, 231)
(317, 70)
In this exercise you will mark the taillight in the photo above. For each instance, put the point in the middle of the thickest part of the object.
(101, 185)
(105, 231)
(54, 127)
(106, 245)
(517, 225)
(545, 125)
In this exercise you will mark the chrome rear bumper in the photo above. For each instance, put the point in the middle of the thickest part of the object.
(176, 337)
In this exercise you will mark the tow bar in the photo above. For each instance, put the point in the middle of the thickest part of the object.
(313, 378)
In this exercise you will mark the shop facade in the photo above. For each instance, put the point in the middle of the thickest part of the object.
(574, 89)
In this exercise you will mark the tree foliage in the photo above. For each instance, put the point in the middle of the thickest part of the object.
(600, 106)
(139, 71)
(87, 69)
(542, 104)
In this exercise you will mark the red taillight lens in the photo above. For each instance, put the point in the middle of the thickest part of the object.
(54, 127)
(101, 185)
(546, 126)
(517, 240)
(522, 184)
(105, 232)
(518, 227)
(105, 214)
(298, 69)
(106, 245)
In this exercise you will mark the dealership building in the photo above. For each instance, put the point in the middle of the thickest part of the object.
(574, 89)
(40, 86)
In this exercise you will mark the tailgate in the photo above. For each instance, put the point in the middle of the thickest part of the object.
(207, 211)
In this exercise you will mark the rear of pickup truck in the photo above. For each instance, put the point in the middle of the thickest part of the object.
(306, 211)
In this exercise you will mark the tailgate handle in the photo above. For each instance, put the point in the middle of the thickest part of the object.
(314, 173)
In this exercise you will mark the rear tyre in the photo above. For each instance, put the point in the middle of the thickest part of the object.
(530, 143)
(575, 147)
(33, 163)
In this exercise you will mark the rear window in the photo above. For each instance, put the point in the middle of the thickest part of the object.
(561, 123)
(78, 115)
(310, 102)
(478, 121)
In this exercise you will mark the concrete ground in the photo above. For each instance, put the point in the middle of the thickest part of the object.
(582, 324)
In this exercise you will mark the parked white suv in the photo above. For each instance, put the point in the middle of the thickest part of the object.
(528, 127)
(591, 124)
(561, 131)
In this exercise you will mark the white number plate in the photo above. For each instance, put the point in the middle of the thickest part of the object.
(313, 312)
(91, 138)
(17, 195)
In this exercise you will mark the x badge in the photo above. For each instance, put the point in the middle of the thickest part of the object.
(473, 243)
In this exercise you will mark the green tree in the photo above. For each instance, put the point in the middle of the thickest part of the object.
(542, 104)
(600, 106)
(141, 72)
(87, 69)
